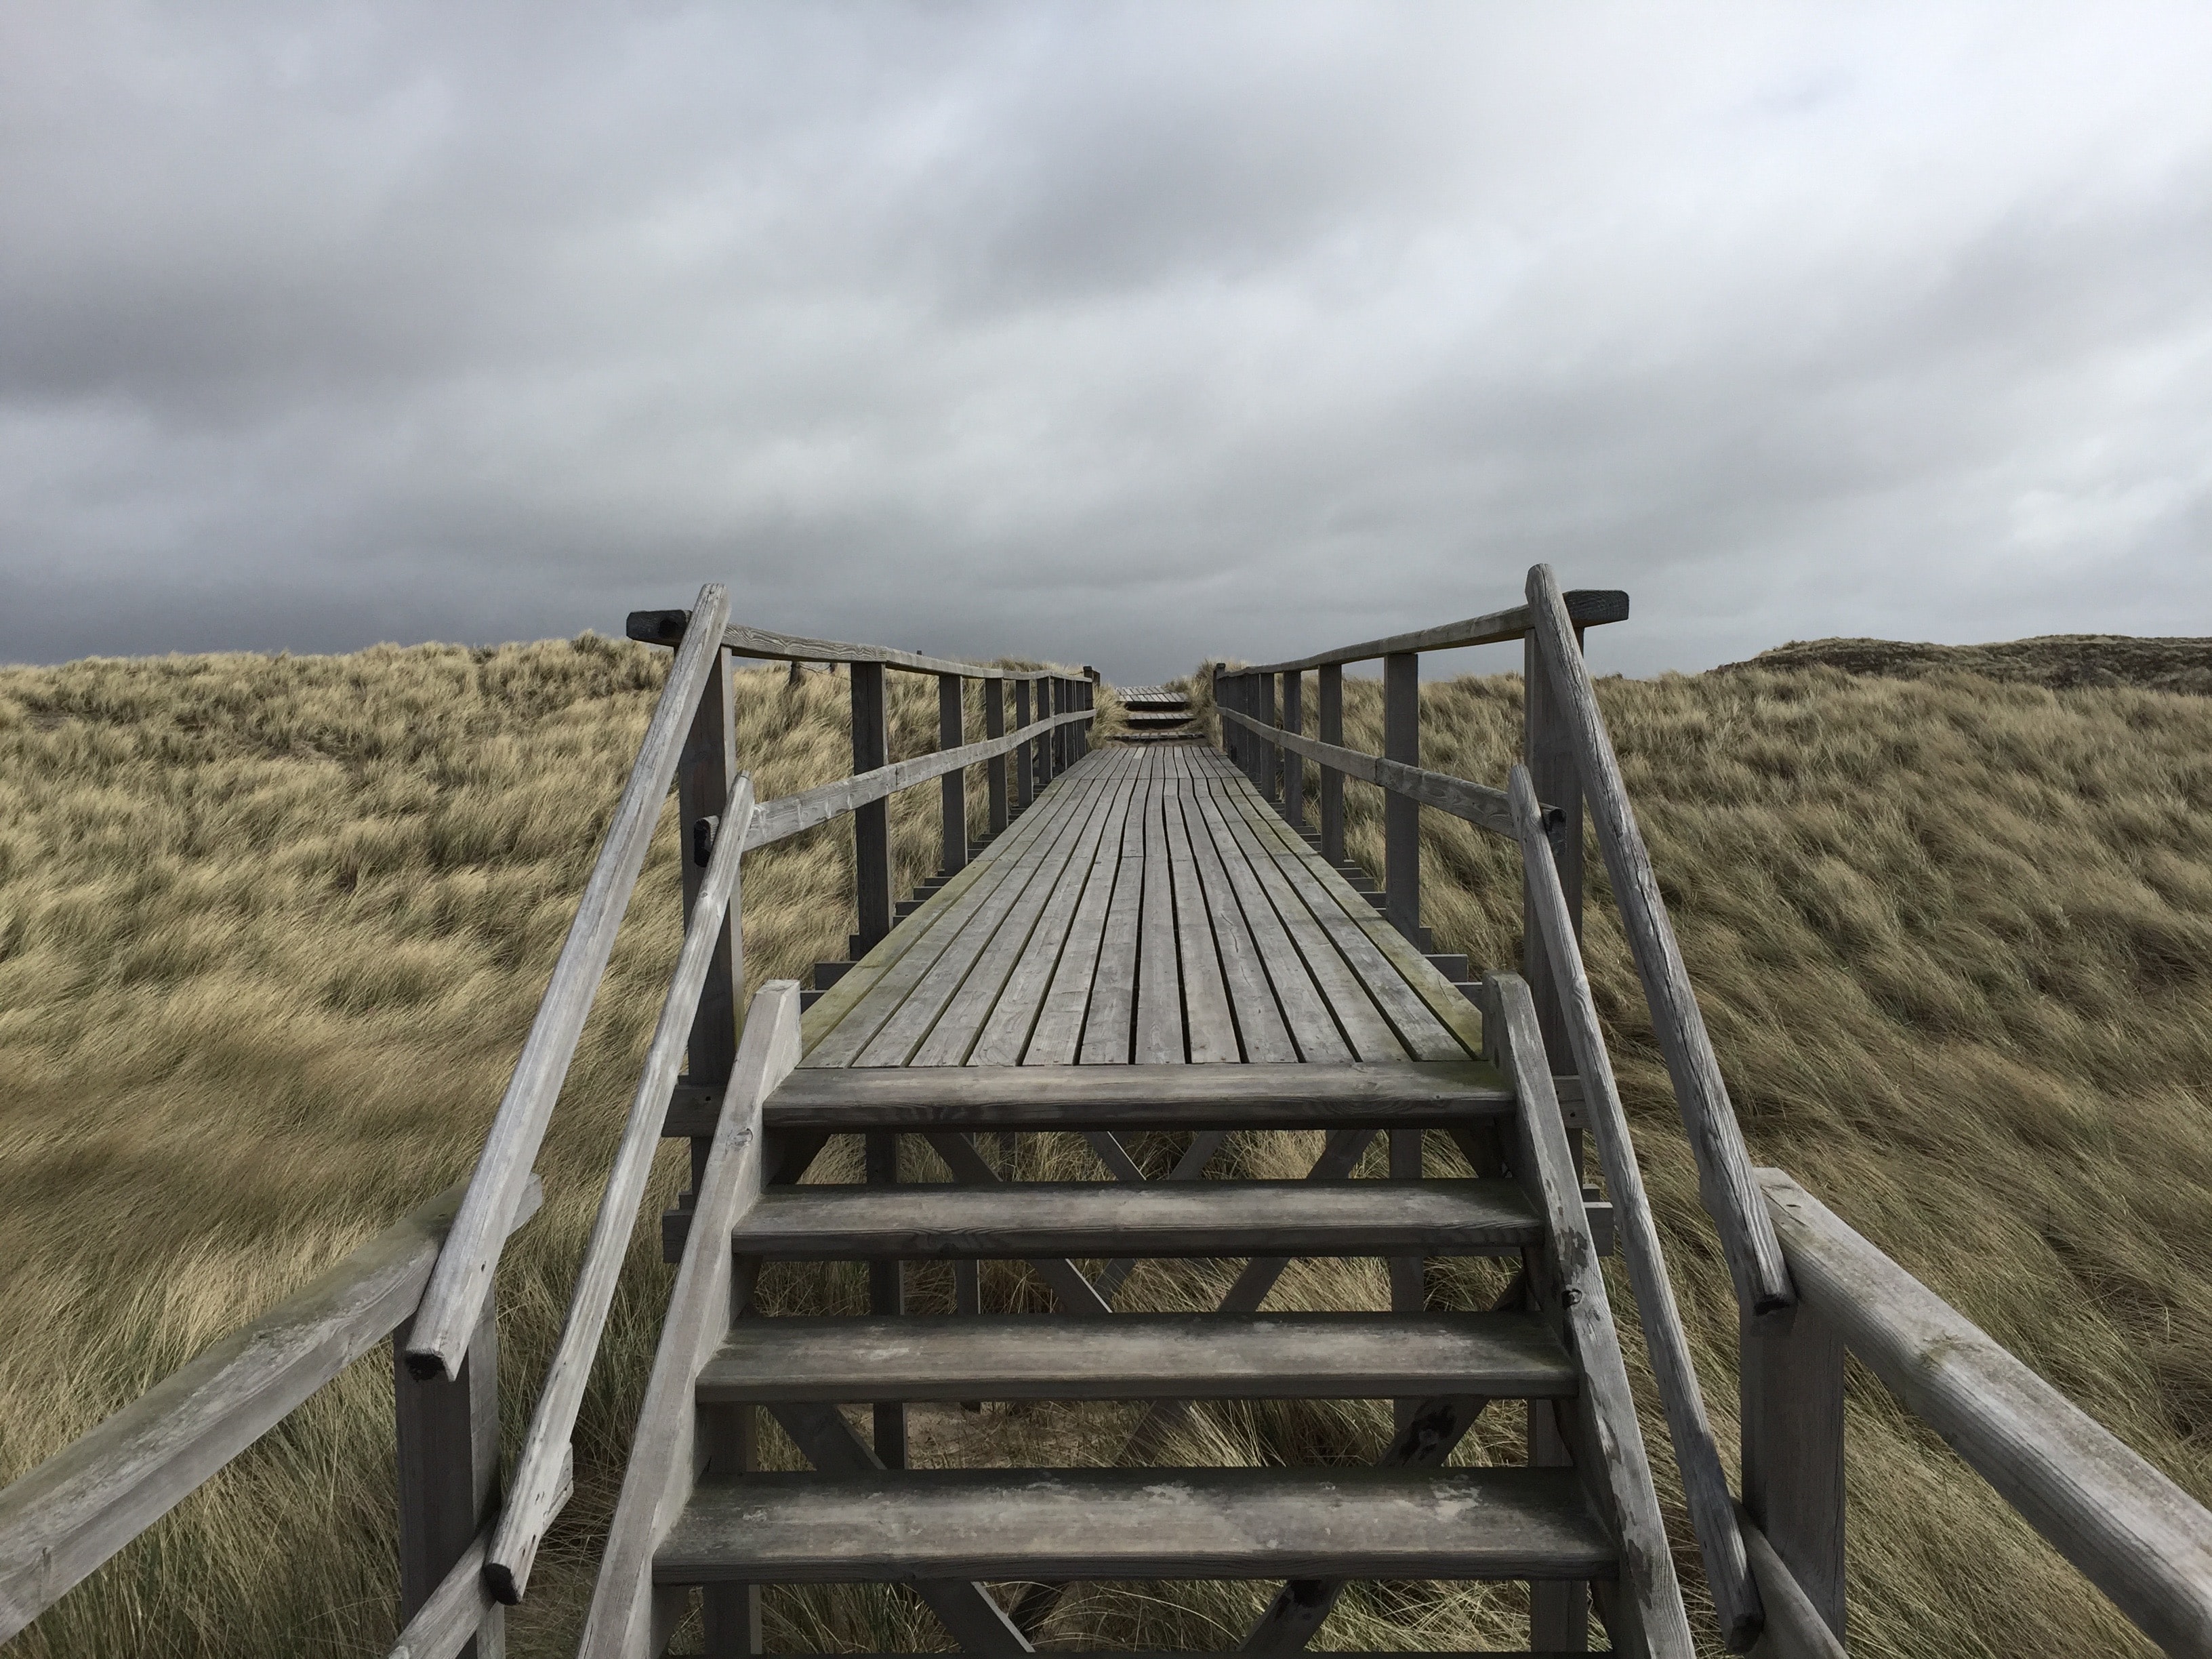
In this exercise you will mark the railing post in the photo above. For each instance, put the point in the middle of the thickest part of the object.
(1024, 785)
(1294, 769)
(1792, 1400)
(1248, 742)
(1329, 692)
(994, 770)
(448, 1459)
(951, 709)
(871, 832)
(1263, 686)
(704, 772)
(1547, 747)
(1401, 814)
(1043, 742)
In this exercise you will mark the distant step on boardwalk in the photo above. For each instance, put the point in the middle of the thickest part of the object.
(1158, 937)
(1155, 714)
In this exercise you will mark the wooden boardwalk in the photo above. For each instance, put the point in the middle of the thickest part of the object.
(1149, 908)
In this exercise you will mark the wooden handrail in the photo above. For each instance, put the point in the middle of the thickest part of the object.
(2133, 1534)
(1754, 1259)
(1588, 607)
(533, 1491)
(1478, 804)
(1705, 1484)
(667, 627)
(462, 1276)
(78, 1508)
(790, 815)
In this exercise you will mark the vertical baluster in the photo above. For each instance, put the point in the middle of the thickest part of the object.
(704, 772)
(1294, 769)
(871, 832)
(1792, 1400)
(1263, 692)
(448, 1477)
(1401, 814)
(1024, 785)
(994, 770)
(952, 708)
(1329, 691)
(1547, 747)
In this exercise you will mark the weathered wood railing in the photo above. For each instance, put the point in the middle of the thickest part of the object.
(1806, 1285)
(426, 1283)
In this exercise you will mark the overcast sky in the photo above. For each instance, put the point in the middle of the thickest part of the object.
(1122, 334)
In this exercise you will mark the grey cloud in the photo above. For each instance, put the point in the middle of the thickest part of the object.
(1121, 333)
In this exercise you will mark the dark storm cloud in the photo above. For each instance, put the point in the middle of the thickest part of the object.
(1128, 334)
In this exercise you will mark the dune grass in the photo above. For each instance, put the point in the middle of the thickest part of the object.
(272, 930)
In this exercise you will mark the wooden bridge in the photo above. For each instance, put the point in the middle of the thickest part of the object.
(1146, 945)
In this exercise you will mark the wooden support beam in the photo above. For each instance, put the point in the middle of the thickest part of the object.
(704, 774)
(1547, 751)
(1401, 814)
(1791, 1390)
(994, 725)
(872, 834)
(1294, 766)
(1025, 754)
(448, 1481)
(952, 804)
(886, 1295)
(1271, 753)
(1329, 692)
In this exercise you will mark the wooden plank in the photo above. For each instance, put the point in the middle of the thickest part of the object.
(997, 1524)
(994, 725)
(1791, 1413)
(1057, 1036)
(1302, 1356)
(529, 1506)
(1024, 749)
(1076, 1293)
(1793, 1627)
(1589, 607)
(1646, 1615)
(1755, 1264)
(1384, 962)
(2135, 1534)
(1549, 758)
(873, 990)
(1283, 978)
(63, 1518)
(1728, 1574)
(1294, 771)
(980, 953)
(1109, 1022)
(1208, 1027)
(463, 1277)
(1159, 975)
(627, 1619)
(1400, 1095)
(1368, 1033)
(705, 774)
(968, 1611)
(1261, 1029)
(1160, 1218)
(1029, 934)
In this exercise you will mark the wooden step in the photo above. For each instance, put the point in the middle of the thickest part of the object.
(1305, 1356)
(999, 1524)
(1118, 1218)
(1396, 1095)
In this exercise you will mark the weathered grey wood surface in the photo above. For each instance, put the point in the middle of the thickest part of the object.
(997, 1524)
(73, 1511)
(1762, 1279)
(1588, 607)
(1793, 1628)
(791, 815)
(450, 1619)
(1478, 804)
(2135, 1534)
(1400, 1095)
(447, 1455)
(538, 1472)
(462, 1276)
(627, 1619)
(1311, 1217)
(1135, 1356)
(666, 627)
(1667, 1348)
(1646, 1614)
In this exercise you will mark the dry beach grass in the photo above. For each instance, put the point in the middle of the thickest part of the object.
(272, 929)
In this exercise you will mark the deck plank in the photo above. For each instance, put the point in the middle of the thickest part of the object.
(1211, 1031)
(1160, 1039)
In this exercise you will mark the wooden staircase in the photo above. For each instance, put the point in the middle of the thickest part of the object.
(1578, 1520)
(1155, 713)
